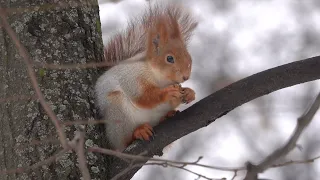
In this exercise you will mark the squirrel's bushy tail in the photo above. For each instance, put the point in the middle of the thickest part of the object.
(132, 41)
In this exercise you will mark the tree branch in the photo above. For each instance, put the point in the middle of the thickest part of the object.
(79, 149)
(47, 162)
(220, 103)
(302, 123)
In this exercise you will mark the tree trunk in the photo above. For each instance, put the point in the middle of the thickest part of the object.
(53, 33)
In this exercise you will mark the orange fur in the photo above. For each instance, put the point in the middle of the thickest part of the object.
(175, 95)
(151, 96)
(131, 41)
(113, 93)
(189, 95)
(156, 43)
(114, 96)
(143, 131)
(165, 39)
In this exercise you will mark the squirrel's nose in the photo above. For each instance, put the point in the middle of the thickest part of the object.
(185, 78)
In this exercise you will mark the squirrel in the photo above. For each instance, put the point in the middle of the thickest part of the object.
(144, 88)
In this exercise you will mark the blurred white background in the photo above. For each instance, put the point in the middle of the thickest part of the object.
(235, 39)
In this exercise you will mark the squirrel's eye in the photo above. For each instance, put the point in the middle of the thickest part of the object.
(170, 59)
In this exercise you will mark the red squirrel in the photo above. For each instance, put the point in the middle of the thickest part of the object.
(144, 88)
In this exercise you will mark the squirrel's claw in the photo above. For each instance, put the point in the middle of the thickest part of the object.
(143, 132)
(188, 95)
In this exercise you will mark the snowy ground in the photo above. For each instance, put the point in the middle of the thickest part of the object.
(236, 39)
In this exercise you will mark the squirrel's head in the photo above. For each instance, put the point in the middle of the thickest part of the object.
(167, 52)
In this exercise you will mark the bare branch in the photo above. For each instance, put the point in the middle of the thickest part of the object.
(125, 171)
(35, 142)
(143, 158)
(164, 164)
(73, 144)
(155, 161)
(79, 149)
(23, 52)
(91, 122)
(73, 66)
(235, 175)
(296, 162)
(17, 98)
(37, 165)
(302, 123)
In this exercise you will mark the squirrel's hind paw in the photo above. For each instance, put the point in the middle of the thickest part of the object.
(143, 132)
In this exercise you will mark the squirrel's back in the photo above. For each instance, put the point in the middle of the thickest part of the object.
(131, 41)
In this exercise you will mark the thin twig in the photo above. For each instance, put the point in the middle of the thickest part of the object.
(73, 66)
(76, 122)
(137, 57)
(17, 98)
(296, 162)
(134, 158)
(144, 158)
(71, 145)
(235, 175)
(23, 52)
(165, 164)
(79, 149)
(35, 142)
(37, 165)
(303, 122)
(125, 171)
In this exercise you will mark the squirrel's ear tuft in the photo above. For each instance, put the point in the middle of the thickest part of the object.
(158, 37)
(162, 30)
(174, 27)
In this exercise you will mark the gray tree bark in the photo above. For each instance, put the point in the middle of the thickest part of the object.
(51, 34)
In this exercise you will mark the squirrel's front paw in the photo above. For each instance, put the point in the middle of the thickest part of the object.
(174, 95)
(173, 91)
(188, 95)
(143, 132)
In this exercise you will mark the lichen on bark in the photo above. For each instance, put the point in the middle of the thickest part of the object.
(52, 34)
